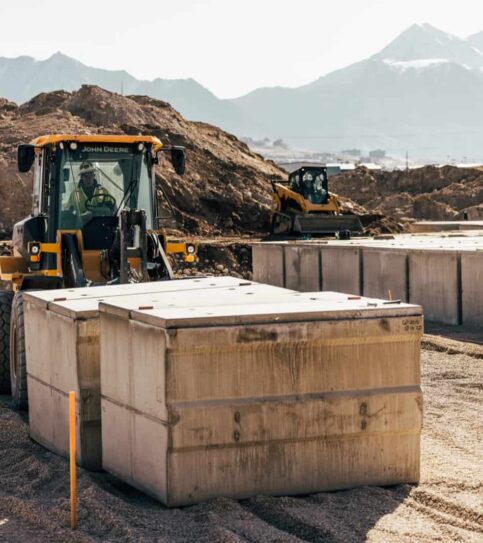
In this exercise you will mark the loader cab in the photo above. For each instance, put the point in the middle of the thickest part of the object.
(83, 186)
(120, 177)
(311, 183)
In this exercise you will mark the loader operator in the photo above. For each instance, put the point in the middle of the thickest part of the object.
(89, 195)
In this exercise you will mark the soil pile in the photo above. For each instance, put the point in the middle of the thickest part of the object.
(428, 193)
(225, 190)
(445, 506)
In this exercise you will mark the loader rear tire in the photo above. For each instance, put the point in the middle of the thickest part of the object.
(18, 364)
(6, 298)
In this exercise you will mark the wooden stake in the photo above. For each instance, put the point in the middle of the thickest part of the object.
(73, 473)
(389, 293)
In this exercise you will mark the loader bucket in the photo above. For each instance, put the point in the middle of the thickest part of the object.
(326, 224)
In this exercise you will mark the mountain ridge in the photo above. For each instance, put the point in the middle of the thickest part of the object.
(420, 93)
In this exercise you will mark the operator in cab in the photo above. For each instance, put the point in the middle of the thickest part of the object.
(89, 197)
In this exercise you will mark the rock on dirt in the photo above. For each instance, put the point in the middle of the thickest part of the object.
(446, 506)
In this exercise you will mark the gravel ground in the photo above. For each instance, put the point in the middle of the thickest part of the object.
(446, 506)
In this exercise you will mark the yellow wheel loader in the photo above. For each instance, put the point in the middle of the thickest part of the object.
(95, 221)
(304, 205)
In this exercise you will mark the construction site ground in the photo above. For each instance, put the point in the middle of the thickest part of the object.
(447, 505)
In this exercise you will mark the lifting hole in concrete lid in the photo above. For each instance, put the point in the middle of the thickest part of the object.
(247, 293)
(171, 305)
(83, 294)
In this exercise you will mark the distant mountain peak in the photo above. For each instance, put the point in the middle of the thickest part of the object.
(59, 56)
(424, 41)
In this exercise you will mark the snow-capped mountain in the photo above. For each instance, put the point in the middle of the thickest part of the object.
(426, 43)
(422, 93)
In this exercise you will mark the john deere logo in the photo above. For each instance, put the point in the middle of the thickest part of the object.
(104, 149)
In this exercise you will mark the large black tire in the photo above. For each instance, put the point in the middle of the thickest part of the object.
(6, 298)
(18, 364)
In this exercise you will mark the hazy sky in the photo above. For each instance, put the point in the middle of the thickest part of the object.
(230, 46)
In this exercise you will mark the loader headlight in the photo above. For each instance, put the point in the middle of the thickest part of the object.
(73, 145)
(34, 252)
(190, 249)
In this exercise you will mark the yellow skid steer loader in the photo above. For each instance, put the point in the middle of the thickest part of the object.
(304, 205)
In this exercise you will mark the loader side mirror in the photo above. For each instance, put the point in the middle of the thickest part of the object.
(178, 159)
(25, 157)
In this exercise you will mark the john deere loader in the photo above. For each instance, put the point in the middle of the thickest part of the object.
(94, 221)
(304, 205)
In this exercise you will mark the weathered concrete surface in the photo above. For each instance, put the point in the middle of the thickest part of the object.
(381, 268)
(434, 283)
(341, 269)
(62, 343)
(472, 287)
(63, 355)
(261, 399)
(385, 273)
(444, 226)
(268, 264)
(302, 268)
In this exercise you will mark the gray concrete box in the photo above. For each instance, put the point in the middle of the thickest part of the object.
(62, 344)
(472, 287)
(385, 270)
(268, 264)
(318, 393)
(302, 268)
(341, 269)
(434, 283)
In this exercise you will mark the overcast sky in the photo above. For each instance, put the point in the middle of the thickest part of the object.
(229, 46)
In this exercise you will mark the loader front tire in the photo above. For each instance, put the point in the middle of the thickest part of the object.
(18, 365)
(6, 298)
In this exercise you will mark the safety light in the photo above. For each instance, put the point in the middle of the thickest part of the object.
(34, 254)
(190, 249)
(140, 146)
(73, 145)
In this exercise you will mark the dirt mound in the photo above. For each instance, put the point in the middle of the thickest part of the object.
(226, 187)
(428, 193)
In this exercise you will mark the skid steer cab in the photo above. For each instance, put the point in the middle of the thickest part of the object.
(303, 205)
(94, 221)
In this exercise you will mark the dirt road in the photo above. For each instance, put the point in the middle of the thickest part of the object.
(446, 506)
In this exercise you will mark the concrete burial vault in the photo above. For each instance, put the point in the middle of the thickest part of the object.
(191, 389)
(444, 274)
